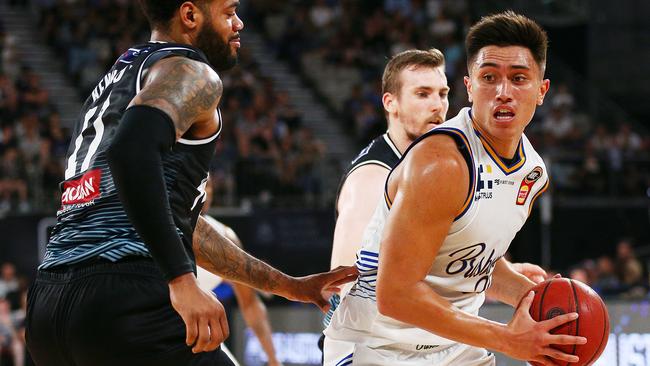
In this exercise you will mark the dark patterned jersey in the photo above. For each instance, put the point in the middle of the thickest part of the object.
(380, 151)
(91, 222)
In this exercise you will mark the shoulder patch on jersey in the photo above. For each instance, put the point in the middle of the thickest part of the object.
(527, 184)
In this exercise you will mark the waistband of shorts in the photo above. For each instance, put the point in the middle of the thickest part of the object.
(130, 265)
(420, 348)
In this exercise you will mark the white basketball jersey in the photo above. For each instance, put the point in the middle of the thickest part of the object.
(208, 280)
(500, 198)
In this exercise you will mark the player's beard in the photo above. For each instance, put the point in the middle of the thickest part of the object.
(218, 52)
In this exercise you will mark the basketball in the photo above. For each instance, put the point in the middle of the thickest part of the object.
(559, 296)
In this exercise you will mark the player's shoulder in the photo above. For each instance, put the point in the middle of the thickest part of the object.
(179, 69)
(381, 152)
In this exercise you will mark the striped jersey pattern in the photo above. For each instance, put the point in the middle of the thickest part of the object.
(91, 222)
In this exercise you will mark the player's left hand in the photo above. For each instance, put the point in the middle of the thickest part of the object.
(318, 288)
(533, 272)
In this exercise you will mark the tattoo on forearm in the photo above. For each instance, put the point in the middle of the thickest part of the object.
(183, 88)
(219, 255)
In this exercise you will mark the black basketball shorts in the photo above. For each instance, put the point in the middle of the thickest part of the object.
(108, 314)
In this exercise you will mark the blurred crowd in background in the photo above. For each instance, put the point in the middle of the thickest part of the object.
(268, 152)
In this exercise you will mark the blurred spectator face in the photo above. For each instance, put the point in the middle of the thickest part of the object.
(509, 79)
(8, 271)
(422, 101)
(605, 266)
(218, 38)
(579, 274)
(624, 250)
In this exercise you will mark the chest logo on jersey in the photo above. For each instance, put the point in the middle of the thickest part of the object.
(82, 190)
(527, 184)
(474, 263)
(485, 183)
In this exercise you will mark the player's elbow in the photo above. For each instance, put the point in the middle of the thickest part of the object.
(387, 300)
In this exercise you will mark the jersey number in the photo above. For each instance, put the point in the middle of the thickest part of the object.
(98, 126)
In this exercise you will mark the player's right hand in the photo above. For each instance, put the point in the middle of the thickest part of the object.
(205, 318)
(531, 340)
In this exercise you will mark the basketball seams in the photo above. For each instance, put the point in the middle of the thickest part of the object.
(577, 303)
(541, 301)
(605, 334)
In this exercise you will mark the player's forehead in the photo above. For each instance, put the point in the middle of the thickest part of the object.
(507, 57)
(423, 76)
(224, 4)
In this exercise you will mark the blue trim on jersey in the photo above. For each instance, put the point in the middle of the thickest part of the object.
(345, 360)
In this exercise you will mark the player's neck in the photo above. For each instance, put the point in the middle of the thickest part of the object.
(158, 35)
(400, 139)
(505, 148)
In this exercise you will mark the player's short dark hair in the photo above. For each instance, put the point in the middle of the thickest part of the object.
(392, 83)
(507, 29)
(160, 12)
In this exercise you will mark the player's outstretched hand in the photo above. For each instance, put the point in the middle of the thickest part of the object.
(531, 340)
(204, 316)
(533, 272)
(318, 288)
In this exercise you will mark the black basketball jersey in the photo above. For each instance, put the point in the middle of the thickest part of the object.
(380, 151)
(91, 222)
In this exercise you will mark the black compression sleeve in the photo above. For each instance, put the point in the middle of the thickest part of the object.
(134, 157)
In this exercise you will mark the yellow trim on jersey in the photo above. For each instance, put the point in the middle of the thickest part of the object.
(532, 201)
(388, 201)
(470, 193)
(497, 159)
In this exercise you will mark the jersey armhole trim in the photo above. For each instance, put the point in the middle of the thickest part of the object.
(205, 140)
(466, 151)
(539, 193)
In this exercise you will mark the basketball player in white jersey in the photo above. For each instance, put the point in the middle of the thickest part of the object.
(415, 99)
(251, 306)
(452, 206)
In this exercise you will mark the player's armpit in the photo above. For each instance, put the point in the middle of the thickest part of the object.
(187, 90)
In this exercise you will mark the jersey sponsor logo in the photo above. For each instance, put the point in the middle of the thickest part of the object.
(82, 190)
(527, 184)
(483, 185)
(202, 196)
(422, 347)
(472, 261)
(363, 152)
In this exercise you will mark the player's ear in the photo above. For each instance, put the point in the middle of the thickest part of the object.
(390, 102)
(190, 15)
(468, 85)
(543, 89)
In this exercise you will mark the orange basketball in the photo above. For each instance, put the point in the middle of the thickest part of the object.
(559, 296)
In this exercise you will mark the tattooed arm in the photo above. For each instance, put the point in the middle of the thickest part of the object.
(179, 98)
(217, 254)
(186, 90)
(222, 257)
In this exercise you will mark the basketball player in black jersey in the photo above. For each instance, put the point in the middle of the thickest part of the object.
(117, 285)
